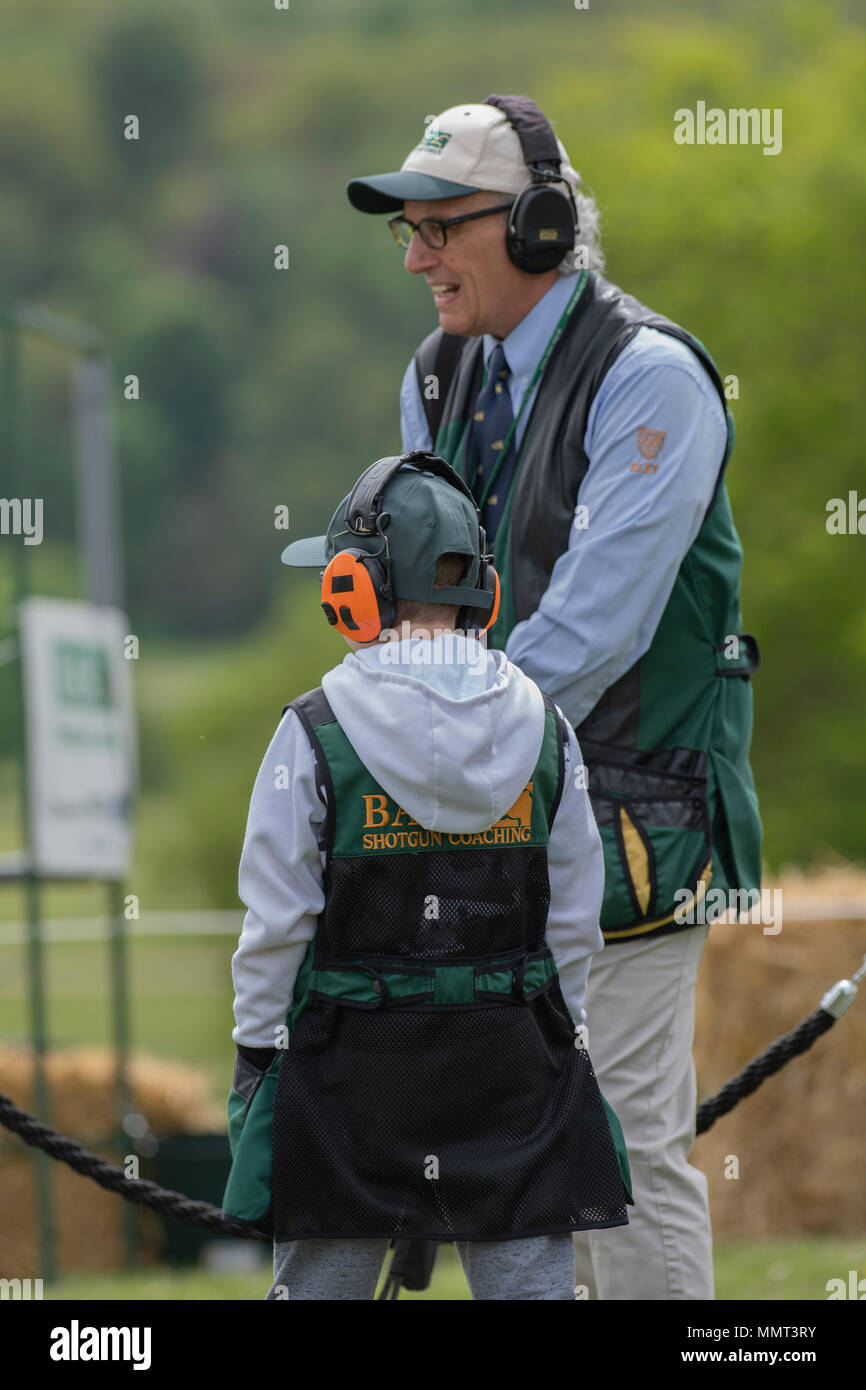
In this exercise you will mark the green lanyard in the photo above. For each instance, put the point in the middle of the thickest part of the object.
(545, 357)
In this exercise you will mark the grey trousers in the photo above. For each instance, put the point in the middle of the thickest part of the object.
(535, 1268)
(640, 1006)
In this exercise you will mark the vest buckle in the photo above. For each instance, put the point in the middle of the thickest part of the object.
(738, 655)
(517, 974)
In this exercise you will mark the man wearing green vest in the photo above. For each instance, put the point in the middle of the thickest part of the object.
(594, 434)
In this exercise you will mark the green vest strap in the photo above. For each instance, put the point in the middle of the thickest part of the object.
(522, 976)
(354, 983)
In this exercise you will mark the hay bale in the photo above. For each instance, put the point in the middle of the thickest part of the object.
(173, 1098)
(798, 1139)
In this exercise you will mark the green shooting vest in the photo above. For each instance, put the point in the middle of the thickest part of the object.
(666, 748)
(432, 1085)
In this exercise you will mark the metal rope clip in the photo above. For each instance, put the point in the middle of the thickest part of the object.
(842, 995)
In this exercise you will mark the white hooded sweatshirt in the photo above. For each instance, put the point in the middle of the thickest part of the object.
(452, 732)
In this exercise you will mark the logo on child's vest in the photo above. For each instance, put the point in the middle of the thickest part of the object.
(388, 826)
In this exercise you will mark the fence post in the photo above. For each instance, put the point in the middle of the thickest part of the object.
(44, 1170)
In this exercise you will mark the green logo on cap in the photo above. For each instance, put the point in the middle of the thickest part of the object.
(434, 140)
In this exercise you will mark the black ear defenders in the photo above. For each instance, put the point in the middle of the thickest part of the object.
(542, 223)
(357, 590)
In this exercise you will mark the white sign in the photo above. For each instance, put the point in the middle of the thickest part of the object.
(80, 737)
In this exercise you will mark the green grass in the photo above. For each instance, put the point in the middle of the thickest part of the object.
(796, 1269)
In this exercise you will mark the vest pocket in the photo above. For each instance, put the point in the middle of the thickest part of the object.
(245, 1082)
(653, 817)
(250, 1109)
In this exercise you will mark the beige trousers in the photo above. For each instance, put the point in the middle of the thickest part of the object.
(640, 1025)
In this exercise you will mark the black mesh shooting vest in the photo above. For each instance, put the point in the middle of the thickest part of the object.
(432, 1086)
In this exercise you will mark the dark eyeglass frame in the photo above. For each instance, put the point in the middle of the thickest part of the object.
(441, 222)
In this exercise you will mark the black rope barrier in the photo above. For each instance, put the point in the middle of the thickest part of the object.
(107, 1175)
(777, 1055)
(413, 1260)
(410, 1262)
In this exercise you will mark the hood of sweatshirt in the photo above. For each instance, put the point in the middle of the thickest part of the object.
(450, 730)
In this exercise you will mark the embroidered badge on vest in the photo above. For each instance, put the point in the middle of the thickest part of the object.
(387, 826)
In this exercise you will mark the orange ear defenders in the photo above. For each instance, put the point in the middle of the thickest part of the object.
(489, 580)
(357, 593)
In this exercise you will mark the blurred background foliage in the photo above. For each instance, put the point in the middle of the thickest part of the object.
(262, 388)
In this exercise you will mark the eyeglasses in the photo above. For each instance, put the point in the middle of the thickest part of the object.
(432, 230)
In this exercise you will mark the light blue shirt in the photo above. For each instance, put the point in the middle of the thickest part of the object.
(609, 588)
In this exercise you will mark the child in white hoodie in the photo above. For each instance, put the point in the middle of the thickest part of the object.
(423, 877)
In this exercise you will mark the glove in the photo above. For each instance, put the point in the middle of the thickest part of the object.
(259, 1057)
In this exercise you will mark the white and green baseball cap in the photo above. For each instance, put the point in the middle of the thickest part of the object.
(464, 150)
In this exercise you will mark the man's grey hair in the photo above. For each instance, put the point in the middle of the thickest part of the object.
(588, 235)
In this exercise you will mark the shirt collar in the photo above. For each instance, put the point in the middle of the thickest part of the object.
(527, 341)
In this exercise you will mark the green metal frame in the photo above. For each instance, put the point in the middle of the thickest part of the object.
(86, 340)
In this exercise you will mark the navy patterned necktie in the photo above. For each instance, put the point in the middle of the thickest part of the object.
(491, 421)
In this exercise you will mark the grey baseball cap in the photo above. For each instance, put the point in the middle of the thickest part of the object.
(429, 517)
